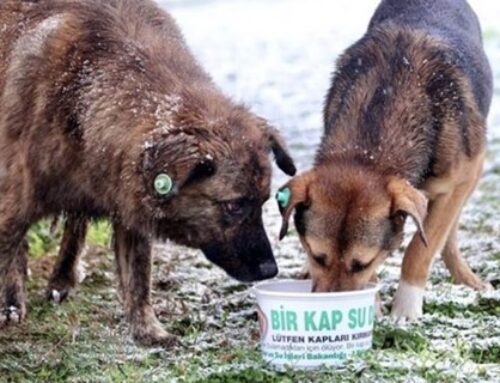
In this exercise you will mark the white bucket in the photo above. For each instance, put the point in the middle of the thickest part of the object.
(308, 330)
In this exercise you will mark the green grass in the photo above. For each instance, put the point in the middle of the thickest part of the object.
(43, 238)
(483, 307)
(389, 337)
(485, 355)
(45, 235)
(99, 234)
(86, 339)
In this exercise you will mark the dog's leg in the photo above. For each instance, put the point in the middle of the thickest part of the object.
(443, 213)
(13, 271)
(66, 274)
(454, 260)
(457, 265)
(133, 255)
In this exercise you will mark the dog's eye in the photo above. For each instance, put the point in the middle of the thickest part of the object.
(320, 259)
(357, 266)
(234, 207)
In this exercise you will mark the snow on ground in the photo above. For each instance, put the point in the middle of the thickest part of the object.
(278, 56)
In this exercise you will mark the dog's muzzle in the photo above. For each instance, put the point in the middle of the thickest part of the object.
(247, 258)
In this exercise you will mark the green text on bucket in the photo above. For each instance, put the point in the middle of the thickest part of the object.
(288, 320)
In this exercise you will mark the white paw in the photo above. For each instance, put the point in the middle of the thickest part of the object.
(10, 315)
(55, 296)
(407, 303)
(14, 314)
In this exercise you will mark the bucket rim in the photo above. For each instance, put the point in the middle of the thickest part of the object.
(258, 289)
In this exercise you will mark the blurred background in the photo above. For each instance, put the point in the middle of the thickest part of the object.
(277, 56)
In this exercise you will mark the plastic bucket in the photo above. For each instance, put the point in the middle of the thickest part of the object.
(308, 330)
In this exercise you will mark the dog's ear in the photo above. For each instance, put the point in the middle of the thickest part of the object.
(277, 145)
(408, 201)
(294, 193)
(280, 151)
(177, 160)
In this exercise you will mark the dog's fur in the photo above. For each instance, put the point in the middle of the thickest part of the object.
(98, 97)
(405, 124)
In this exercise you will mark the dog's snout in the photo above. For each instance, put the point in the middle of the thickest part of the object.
(268, 269)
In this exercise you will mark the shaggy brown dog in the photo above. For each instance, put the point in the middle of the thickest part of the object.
(405, 123)
(104, 112)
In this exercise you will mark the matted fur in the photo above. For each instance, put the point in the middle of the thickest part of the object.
(97, 98)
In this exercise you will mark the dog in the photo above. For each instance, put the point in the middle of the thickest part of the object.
(105, 113)
(404, 137)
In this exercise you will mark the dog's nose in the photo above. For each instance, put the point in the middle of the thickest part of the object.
(268, 269)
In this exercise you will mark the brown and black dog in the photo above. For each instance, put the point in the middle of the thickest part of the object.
(104, 112)
(405, 134)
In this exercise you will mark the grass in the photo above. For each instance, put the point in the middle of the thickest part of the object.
(86, 339)
(484, 306)
(483, 355)
(45, 235)
(393, 338)
(43, 238)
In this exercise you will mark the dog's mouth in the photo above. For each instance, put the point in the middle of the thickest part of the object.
(245, 254)
(336, 288)
(245, 261)
(265, 271)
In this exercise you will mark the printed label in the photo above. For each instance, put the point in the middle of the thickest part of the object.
(307, 337)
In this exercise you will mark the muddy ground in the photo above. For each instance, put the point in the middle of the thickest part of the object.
(276, 56)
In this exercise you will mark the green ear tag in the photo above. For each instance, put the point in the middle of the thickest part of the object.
(283, 197)
(163, 184)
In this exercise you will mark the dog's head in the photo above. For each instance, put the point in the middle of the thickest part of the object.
(205, 187)
(349, 220)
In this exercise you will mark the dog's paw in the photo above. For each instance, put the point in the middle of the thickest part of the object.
(11, 315)
(157, 338)
(154, 335)
(483, 286)
(486, 286)
(407, 304)
(476, 283)
(148, 331)
(61, 285)
(12, 301)
(56, 295)
(58, 291)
